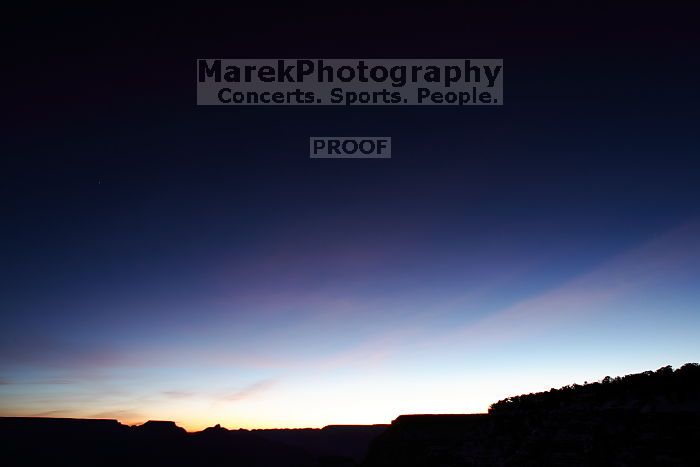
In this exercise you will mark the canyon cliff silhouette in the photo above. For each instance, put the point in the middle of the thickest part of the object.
(650, 418)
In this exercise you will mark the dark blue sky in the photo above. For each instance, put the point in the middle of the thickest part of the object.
(162, 260)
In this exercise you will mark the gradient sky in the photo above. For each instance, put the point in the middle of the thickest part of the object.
(166, 261)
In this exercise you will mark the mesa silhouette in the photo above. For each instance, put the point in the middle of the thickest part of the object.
(650, 418)
(82, 442)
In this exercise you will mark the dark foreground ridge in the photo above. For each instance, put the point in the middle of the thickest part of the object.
(651, 418)
(645, 419)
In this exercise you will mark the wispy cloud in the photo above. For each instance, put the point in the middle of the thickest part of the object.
(251, 390)
(630, 271)
(123, 415)
(673, 253)
(178, 394)
(46, 351)
(41, 382)
(55, 413)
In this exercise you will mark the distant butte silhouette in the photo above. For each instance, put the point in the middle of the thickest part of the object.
(645, 419)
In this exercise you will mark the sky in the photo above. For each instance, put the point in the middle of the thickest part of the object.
(166, 261)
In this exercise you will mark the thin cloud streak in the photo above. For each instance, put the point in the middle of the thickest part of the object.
(632, 270)
(123, 415)
(178, 394)
(251, 390)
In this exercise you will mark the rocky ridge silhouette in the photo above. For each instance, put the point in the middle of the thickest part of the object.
(645, 419)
